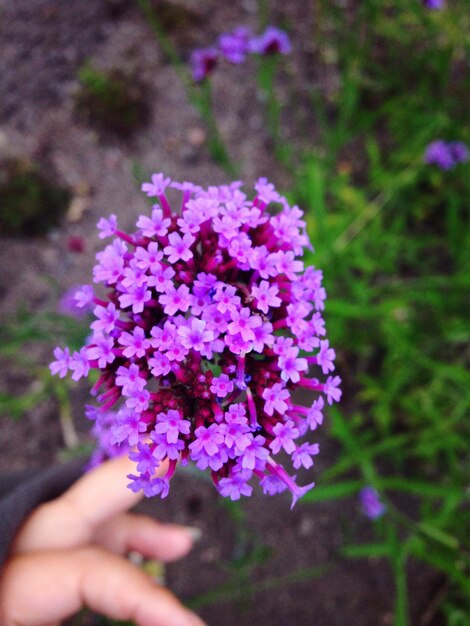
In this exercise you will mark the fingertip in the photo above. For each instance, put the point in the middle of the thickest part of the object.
(140, 533)
(194, 532)
(171, 542)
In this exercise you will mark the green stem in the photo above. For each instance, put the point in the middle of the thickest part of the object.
(199, 96)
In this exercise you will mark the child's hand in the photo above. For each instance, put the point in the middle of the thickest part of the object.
(69, 554)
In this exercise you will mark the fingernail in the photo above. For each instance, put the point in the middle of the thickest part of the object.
(196, 533)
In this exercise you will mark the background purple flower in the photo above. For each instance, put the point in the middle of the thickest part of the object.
(234, 47)
(446, 154)
(203, 63)
(68, 304)
(433, 4)
(272, 41)
(371, 505)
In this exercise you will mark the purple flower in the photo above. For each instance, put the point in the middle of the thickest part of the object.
(371, 505)
(70, 306)
(266, 191)
(101, 350)
(285, 435)
(107, 318)
(208, 449)
(325, 357)
(156, 187)
(62, 363)
(235, 486)
(221, 386)
(164, 449)
(303, 455)
(235, 46)
(136, 298)
(206, 332)
(136, 344)
(178, 248)
(195, 336)
(275, 398)
(255, 454)
(203, 63)
(108, 227)
(290, 365)
(433, 4)
(272, 41)
(128, 426)
(438, 153)
(446, 154)
(145, 459)
(226, 298)
(172, 424)
(155, 226)
(84, 296)
(174, 300)
(79, 364)
(459, 151)
(129, 378)
(332, 390)
(243, 323)
(266, 296)
(315, 415)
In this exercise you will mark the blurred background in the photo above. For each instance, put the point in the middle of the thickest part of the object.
(364, 124)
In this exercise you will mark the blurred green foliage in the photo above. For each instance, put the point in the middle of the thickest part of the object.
(31, 204)
(393, 239)
(111, 99)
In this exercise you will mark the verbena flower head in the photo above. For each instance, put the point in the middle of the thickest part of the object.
(371, 504)
(209, 325)
(272, 41)
(446, 154)
(235, 46)
(203, 62)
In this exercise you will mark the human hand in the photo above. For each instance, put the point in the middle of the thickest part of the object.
(67, 555)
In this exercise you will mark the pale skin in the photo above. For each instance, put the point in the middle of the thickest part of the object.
(70, 553)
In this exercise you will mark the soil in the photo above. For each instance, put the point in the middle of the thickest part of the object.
(44, 43)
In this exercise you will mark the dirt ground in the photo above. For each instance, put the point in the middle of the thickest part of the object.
(43, 44)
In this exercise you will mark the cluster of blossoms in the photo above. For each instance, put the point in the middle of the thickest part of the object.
(446, 154)
(234, 47)
(209, 325)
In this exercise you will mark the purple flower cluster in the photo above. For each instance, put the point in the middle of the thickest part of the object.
(209, 325)
(446, 154)
(234, 47)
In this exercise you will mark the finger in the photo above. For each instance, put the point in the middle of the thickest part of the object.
(70, 520)
(45, 587)
(103, 492)
(128, 532)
